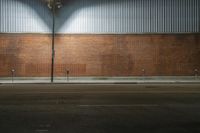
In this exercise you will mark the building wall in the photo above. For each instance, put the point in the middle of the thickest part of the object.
(129, 16)
(29, 55)
(101, 37)
(24, 16)
(100, 55)
(101, 16)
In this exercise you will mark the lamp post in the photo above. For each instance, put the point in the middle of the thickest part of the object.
(53, 43)
(53, 5)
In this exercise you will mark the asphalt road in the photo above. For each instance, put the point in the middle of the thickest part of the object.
(59, 108)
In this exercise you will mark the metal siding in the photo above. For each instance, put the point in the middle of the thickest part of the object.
(24, 16)
(130, 16)
(102, 16)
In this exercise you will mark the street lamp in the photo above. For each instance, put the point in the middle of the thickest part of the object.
(56, 3)
(53, 5)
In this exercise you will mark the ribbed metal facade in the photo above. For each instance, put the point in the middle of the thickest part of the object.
(24, 16)
(102, 16)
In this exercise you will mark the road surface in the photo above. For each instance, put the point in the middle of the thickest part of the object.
(128, 108)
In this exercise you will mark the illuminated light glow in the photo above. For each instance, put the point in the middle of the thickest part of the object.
(78, 23)
(20, 17)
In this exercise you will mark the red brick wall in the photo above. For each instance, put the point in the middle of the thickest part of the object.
(100, 55)
(29, 55)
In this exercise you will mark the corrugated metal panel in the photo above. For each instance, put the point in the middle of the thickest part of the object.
(24, 16)
(102, 16)
(129, 16)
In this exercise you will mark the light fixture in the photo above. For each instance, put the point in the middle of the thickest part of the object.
(56, 3)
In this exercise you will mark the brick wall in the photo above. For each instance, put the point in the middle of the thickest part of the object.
(100, 55)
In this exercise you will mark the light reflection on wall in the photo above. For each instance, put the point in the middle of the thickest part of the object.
(129, 16)
(24, 16)
(102, 16)
(76, 22)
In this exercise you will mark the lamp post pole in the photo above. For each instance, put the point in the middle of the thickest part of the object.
(53, 42)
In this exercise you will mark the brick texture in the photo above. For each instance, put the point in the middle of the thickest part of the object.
(100, 55)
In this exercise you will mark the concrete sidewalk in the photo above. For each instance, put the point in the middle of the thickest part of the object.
(105, 80)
